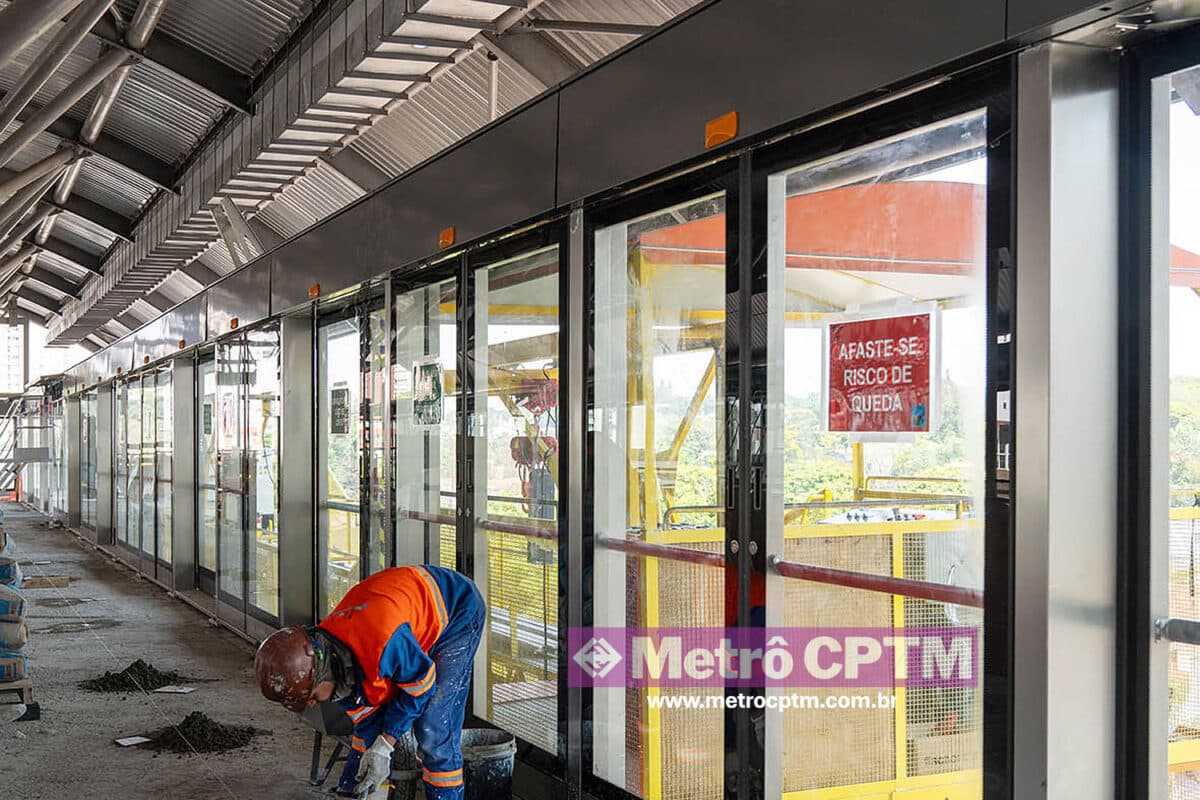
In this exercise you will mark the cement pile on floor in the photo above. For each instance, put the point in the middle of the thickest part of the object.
(138, 676)
(200, 734)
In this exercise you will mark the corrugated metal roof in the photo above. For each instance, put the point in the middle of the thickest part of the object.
(166, 116)
(71, 234)
(68, 269)
(46, 289)
(240, 33)
(113, 186)
(72, 68)
(449, 109)
(591, 47)
(178, 287)
(85, 234)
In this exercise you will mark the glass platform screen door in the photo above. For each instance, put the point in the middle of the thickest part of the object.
(352, 459)
(246, 408)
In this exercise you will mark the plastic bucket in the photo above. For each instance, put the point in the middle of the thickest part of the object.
(406, 784)
(488, 763)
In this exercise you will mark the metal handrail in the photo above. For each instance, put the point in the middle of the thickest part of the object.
(885, 584)
(1174, 629)
(664, 551)
(531, 531)
(913, 478)
(500, 498)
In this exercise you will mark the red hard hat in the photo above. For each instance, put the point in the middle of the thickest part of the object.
(286, 667)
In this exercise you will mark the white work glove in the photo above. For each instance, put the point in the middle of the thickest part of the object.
(374, 769)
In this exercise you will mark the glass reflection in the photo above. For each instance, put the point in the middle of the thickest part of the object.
(427, 393)
(338, 393)
(516, 492)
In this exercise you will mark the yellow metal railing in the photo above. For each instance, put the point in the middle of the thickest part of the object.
(956, 784)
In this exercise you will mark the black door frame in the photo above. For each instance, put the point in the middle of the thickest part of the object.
(1141, 65)
(553, 233)
(744, 181)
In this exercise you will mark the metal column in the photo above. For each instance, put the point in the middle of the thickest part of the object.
(72, 425)
(104, 433)
(297, 543)
(183, 473)
(1065, 410)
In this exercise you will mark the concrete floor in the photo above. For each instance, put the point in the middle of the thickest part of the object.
(70, 752)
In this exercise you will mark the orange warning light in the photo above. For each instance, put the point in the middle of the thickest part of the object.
(446, 237)
(314, 290)
(145, 359)
(720, 130)
(182, 344)
(233, 323)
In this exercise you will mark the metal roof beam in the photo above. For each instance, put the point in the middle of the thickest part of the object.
(418, 58)
(98, 215)
(39, 299)
(453, 22)
(535, 54)
(353, 166)
(212, 77)
(120, 152)
(423, 41)
(28, 310)
(130, 320)
(159, 300)
(71, 253)
(583, 26)
(54, 281)
(200, 273)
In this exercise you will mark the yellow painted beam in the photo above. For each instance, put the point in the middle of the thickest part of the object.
(901, 710)
(1183, 753)
(858, 791)
(684, 536)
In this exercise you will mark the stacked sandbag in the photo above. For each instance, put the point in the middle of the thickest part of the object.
(13, 631)
(10, 569)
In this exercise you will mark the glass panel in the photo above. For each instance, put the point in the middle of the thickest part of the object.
(164, 448)
(338, 456)
(133, 464)
(206, 450)
(427, 392)
(149, 517)
(87, 460)
(120, 460)
(377, 419)
(659, 464)
(58, 430)
(1181, 284)
(263, 451)
(516, 492)
(878, 353)
(231, 437)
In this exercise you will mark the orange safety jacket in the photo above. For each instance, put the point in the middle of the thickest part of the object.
(390, 621)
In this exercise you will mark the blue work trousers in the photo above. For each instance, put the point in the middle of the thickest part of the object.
(438, 730)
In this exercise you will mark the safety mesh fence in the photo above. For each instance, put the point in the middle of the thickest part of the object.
(1183, 671)
(691, 595)
(943, 725)
(522, 589)
(825, 748)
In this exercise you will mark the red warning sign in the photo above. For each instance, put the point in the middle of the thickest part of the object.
(879, 374)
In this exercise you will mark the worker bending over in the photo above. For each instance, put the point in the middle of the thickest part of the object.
(396, 653)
